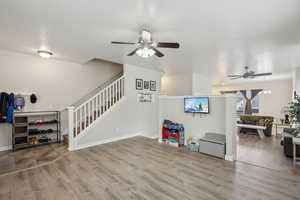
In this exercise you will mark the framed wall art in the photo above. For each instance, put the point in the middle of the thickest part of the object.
(146, 85)
(139, 84)
(153, 85)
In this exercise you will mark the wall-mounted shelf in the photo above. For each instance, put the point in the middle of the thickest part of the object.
(32, 129)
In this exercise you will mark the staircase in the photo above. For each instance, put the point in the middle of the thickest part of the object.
(83, 115)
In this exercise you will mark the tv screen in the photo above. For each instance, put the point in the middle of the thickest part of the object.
(196, 105)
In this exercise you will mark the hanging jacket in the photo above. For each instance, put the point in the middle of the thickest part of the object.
(4, 103)
(10, 114)
(11, 99)
(10, 109)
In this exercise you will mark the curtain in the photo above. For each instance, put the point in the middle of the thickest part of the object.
(248, 106)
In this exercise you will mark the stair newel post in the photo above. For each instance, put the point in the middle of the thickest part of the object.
(71, 127)
(118, 89)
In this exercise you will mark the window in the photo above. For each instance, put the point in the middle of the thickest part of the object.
(255, 104)
(241, 102)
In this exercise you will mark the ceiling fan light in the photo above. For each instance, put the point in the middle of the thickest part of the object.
(44, 53)
(145, 52)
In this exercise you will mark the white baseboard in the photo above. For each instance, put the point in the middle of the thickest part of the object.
(151, 137)
(83, 146)
(229, 157)
(5, 148)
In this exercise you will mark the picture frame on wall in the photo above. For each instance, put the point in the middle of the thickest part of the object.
(146, 85)
(153, 85)
(139, 84)
(145, 97)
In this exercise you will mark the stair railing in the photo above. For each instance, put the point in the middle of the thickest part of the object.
(84, 115)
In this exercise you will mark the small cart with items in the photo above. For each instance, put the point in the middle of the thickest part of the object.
(172, 133)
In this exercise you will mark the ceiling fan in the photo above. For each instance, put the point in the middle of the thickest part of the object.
(248, 74)
(146, 47)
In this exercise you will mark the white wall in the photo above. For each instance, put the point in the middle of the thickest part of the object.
(128, 118)
(57, 84)
(183, 84)
(196, 125)
(269, 104)
(201, 84)
(296, 80)
(230, 127)
(176, 84)
(221, 119)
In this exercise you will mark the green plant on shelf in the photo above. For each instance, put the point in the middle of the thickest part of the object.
(295, 109)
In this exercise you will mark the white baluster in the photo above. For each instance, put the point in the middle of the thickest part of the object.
(94, 109)
(121, 88)
(103, 100)
(85, 115)
(75, 117)
(89, 112)
(101, 94)
(97, 105)
(109, 96)
(109, 93)
(106, 99)
(71, 127)
(101, 103)
(80, 119)
(118, 90)
(112, 94)
(115, 92)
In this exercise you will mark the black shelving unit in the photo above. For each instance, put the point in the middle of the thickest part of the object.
(31, 129)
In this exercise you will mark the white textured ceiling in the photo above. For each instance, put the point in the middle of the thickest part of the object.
(217, 37)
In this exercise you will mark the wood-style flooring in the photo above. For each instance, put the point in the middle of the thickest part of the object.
(266, 152)
(31, 157)
(141, 168)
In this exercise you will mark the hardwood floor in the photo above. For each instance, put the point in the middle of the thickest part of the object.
(32, 157)
(266, 152)
(140, 168)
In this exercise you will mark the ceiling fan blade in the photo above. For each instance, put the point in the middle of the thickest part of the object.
(158, 53)
(133, 52)
(115, 42)
(237, 77)
(262, 74)
(167, 45)
(232, 75)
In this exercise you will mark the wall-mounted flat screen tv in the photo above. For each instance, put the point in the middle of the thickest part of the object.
(196, 105)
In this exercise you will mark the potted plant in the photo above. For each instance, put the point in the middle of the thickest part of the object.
(286, 112)
(295, 111)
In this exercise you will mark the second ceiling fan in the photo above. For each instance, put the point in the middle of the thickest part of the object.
(146, 47)
(248, 74)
